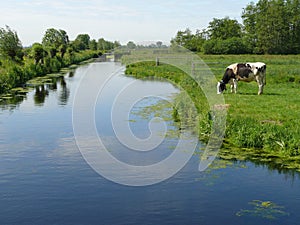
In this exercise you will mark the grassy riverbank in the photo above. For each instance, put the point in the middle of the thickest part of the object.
(263, 128)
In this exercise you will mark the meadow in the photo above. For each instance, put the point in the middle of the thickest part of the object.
(262, 128)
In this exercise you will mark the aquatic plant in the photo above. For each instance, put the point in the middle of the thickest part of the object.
(263, 209)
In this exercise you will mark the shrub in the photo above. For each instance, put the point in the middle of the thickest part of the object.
(229, 46)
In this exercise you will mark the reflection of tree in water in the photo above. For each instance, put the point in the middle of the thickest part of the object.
(71, 73)
(12, 102)
(53, 86)
(56, 84)
(40, 95)
(64, 93)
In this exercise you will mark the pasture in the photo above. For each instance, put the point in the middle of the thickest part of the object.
(263, 128)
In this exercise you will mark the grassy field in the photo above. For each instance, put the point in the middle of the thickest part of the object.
(263, 128)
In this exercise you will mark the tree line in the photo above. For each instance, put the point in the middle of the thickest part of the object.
(18, 64)
(268, 27)
(54, 43)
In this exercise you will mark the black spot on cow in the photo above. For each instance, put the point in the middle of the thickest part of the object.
(243, 70)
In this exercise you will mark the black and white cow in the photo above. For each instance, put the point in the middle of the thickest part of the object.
(246, 72)
(232, 74)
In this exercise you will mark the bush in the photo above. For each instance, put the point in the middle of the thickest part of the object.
(14, 74)
(229, 46)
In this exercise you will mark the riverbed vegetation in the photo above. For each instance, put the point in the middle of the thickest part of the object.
(19, 64)
(264, 128)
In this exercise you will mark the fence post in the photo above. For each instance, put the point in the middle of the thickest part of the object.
(157, 61)
(193, 69)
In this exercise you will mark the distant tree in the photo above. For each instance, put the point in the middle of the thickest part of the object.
(159, 44)
(102, 45)
(229, 46)
(249, 17)
(10, 44)
(131, 45)
(188, 40)
(224, 28)
(293, 8)
(93, 45)
(273, 26)
(182, 38)
(82, 42)
(117, 44)
(63, 50)
(55, 41)
(38, 52)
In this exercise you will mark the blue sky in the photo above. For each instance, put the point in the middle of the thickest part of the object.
(127, 20)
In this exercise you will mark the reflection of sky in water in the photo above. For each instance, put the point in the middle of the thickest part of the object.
(138, 120)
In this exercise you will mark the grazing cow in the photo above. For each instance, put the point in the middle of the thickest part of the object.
(243, 72)
(231, 75)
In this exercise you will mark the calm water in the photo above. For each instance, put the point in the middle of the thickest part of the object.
(45, 180)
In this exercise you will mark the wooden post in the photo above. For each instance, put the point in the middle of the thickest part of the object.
(157, 61)
(193, 69)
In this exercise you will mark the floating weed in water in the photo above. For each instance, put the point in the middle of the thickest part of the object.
(214, 172)
(158, 110)
(20, 90)
(264, 209)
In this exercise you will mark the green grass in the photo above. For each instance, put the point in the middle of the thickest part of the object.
(263, 128)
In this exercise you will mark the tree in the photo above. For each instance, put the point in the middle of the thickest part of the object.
(273, 26)
(131, 45)
(93, 45)
(249, 16)
(159, 44)
(55, 40)
(224, 29)
(105, 45)
(38, 52)
(188, 40)
(182, 38)
(102, 44)
(294, 31)
(82, 42)
(10, 44)
(117, 44)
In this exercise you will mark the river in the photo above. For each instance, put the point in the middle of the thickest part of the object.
(46, 178)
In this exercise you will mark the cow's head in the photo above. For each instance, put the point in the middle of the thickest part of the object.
(221, 87)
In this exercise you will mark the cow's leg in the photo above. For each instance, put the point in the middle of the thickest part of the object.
(235, 84)
(260, 83)
(231, 85)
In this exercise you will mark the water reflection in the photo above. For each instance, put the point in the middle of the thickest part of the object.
(11, 103)
(71, 73)
(64, 92)
(259, 158)
(41, 92)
